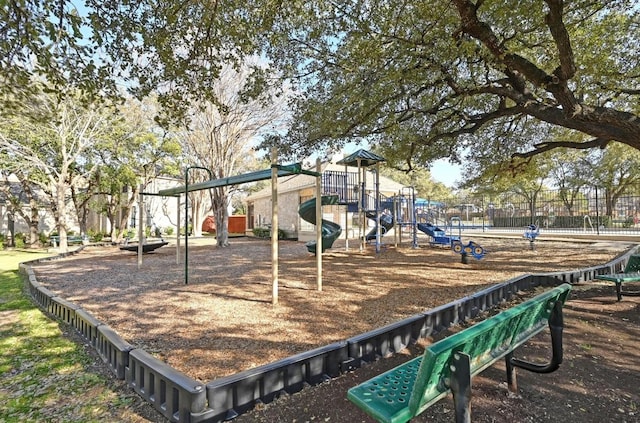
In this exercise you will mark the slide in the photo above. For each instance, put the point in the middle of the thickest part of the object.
(330, 231)
(438, 236)
(386, 223)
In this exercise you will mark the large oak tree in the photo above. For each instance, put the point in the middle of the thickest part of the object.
(422, 80)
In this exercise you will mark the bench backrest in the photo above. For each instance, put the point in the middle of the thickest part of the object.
(633, 264)
(484, 342)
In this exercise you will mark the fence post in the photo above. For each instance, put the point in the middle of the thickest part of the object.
(597, 213)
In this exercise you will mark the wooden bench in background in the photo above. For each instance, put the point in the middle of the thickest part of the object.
(448, 365)
(631, 273)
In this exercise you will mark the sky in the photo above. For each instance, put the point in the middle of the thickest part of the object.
(441, 170)
(445, 172)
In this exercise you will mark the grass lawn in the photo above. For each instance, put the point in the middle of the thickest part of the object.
(45, 376)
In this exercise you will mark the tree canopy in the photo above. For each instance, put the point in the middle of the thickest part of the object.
(432, 79)
(421, 80)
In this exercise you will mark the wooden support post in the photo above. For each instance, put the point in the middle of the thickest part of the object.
(378, 211)
(178, 232)
(319, 224)
(140, 228)
(361, 199)
(274, 226)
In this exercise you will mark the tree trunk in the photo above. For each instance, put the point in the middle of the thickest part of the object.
(112, 224)
(608, 201)
(60, 216)
(34, 239)
(222, 217)
(122, 223)
(196, 214)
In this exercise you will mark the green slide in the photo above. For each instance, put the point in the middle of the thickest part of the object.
(330, 231)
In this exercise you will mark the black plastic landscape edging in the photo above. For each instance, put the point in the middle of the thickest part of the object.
(181, 398)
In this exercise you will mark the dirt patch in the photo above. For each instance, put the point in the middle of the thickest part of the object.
(223, 321)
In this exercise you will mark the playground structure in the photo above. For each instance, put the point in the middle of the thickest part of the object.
(358, 200)
(401, 211)
(387, 212)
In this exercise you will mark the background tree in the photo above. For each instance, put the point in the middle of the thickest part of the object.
(130, 156)
(51, 141)
(420, 180)
(616, 170)
(528, 182)
(571, 171)
(221, 137)
(16, 196)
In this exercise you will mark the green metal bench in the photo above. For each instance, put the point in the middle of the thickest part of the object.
(404, 392)
(71, 239)
(631, 273)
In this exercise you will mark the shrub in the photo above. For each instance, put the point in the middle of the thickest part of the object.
(169, 230)
(20, 240)
(266, 233)
(182, 229)
(96, 236)
(261, 232)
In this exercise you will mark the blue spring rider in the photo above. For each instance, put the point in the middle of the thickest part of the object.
(531, 233)
(472, 248)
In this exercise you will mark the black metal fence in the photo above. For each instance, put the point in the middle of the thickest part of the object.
(588, 209)
(593, 210)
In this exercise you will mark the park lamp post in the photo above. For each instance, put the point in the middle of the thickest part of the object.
(186, 217)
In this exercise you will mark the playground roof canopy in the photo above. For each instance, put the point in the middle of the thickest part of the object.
(366, 158)
(259, 175)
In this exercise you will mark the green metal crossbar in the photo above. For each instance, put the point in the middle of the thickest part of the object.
(260, 175)
(631, 273)
(448, 365)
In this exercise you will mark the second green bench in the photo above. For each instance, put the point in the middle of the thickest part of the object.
(404, 392)
(631, 273)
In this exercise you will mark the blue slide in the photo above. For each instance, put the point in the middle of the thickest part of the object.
(438, 236)
(330, 231)
(386, 224)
